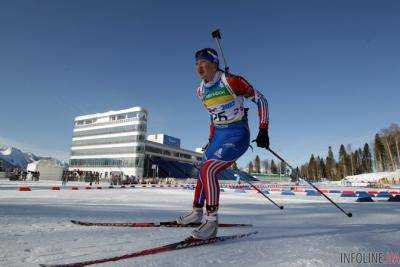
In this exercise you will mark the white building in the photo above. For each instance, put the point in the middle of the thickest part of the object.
(49, 169)
(110, 142)
(115, 141)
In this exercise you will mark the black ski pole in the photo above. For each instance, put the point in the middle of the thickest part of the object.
(217, 36)
(262, 193)
(349, 214)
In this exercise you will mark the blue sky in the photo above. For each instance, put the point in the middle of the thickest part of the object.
(330, 69)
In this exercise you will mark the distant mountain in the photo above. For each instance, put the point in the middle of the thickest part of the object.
(15, 157)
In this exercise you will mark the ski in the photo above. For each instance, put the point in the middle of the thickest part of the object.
(152, 224)
(187, 243)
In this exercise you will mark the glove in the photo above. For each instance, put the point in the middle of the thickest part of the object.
(263, 138)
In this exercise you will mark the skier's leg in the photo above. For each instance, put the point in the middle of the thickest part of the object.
(199, 196)
(208, 174)
(196, 215)
(229, 149)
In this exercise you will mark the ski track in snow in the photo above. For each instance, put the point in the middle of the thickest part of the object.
(35, 228)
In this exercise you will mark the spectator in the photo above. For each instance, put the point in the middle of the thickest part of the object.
(64, 178)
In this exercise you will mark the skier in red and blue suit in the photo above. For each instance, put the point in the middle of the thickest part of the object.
(222, 94)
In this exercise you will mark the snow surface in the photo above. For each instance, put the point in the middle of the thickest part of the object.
(35, 227)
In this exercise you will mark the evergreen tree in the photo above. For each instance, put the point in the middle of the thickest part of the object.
(304, 171)
(283, 167)
(330, 165)
(312, 168)
(265, 166)
(380, 154)
(343, 162)
(384, 154)
(257, 164)
(274, 168)
(340, 172)
(294, 175)
(250, 167)
(318, 170)
(322, 169)
(366, 159)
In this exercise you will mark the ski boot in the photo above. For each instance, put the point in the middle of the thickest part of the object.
(195, 217)
(209, 228)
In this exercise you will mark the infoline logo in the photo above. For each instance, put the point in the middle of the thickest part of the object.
(370, 258)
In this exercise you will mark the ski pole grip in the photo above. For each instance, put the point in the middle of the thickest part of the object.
(216, 34)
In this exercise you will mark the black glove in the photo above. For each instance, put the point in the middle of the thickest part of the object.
(263, 138)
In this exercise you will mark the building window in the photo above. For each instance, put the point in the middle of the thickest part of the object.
(138, 115)
(121, 117)
(110, 130)
(110, 140)
(106, 162)
(108, 151)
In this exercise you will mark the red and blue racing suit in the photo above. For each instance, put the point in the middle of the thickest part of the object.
(229, 131)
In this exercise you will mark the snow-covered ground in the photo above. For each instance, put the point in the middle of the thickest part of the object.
(35, 228)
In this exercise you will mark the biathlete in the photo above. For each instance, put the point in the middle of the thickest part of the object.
(222, 94)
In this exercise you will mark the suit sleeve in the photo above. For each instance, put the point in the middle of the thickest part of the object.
(212, 129)
(240, 86)
(199, 93)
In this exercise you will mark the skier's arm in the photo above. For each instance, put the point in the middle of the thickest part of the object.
(199, 94)
(242, 87)
(212, 130)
